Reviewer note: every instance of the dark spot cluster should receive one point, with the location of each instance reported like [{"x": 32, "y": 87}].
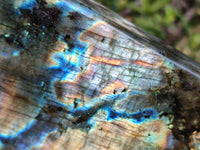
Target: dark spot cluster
[
  {"x": 39, "y": 22},
  {"x": 188, "y": 87},
  {"x": 180, "y": 103},
  {"x": 83, "y": 117},
  {"x": 13, "y": 39},
  {"x": 45, "y": 16},
  {"x": 42, "y": 15}
]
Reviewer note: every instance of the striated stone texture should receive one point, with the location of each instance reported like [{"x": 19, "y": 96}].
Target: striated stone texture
[{"x": 74, "y": 75}]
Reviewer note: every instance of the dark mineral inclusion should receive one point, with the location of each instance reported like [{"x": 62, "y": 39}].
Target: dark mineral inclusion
[{"x": 74, "y": 75}]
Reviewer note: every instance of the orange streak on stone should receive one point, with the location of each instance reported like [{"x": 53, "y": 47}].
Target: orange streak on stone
[
  {"x": 112, "y": 86},
  {"x": 142, "y": 63},
  {"x": 114, "y": 62}
]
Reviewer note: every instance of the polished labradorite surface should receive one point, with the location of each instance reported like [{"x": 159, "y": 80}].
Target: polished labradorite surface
[{"x": 74, "y": 75}]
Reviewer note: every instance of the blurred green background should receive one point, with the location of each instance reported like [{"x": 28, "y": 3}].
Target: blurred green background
[{"x": 177, "y": 22}]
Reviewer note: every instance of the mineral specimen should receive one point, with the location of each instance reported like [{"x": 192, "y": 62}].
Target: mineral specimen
[{"x": 74, "y": 75}]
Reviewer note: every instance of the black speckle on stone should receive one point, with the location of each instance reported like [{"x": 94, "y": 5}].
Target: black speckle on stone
[
  {"x": 114, "y": 92},
  {"x": 39, "y": 116},
  {"x": 124, "y": 90},
  {"x": 19, "y": 42},
  {"x": 147, "y": 117},
  {"x": 162, "y": 53},
  {"x": 60, "y": 108},
  {"x": 74, "y": 16},
  {"x": 70, "y": 41},
  {"x": 10, "y": 39},
  {"x": 163, "y": 114},
  {"x": 75, "y": 103},
  {"x": 67, "y": 37},
  {"x": 103, "y": 39}
]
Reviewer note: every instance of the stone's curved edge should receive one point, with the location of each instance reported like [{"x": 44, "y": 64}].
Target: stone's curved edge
[{"x": 135, "y": 33}]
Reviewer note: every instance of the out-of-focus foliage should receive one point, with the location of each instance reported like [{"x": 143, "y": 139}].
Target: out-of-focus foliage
[{"x": 175, "y": 21}]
